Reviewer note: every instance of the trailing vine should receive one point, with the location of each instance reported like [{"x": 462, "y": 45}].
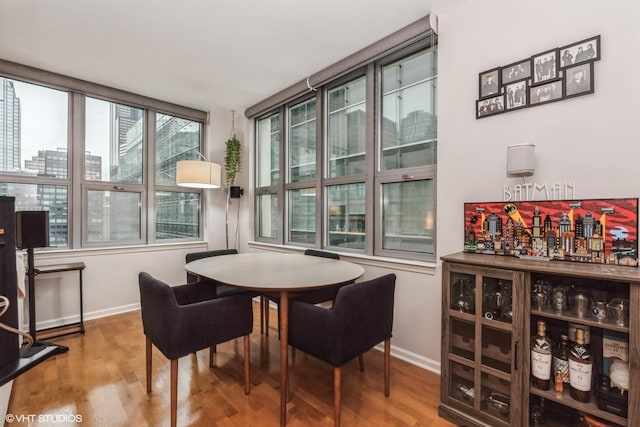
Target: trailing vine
[{"x": 232, "y": 160}]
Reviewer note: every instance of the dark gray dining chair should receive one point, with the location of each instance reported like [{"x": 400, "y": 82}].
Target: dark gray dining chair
[
  {"x": 179, "y": 320},
  {"x": 221, "y": 288},
  {"x": 313, "y": 297},
  {"x": 361, "y": 318}
]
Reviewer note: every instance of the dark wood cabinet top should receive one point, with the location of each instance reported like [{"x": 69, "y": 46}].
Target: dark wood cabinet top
[{"x": 594, "y": 271}]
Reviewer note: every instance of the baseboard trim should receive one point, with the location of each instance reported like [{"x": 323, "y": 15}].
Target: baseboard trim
[
  {"x": 413, "y": 358},
  {"x": 61, "y": 321}
]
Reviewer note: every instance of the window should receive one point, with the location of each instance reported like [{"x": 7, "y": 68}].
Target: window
[
  {"x": 86, "y": 158},
  {"x": 361, "y": 160},
  {"x": 346, "y": 134},
  {"x": 268, "y": 224},
  {"x": 113, "y": 133},
  {"x": 408, "y": 128},
  {"x": 302, "y": 141},
  {"x": 114, "y": 216},
  {"x": 346, "y": 210},
  {"x": 407, "y": 156},
  {"x": 34, "y": 152},
  {"x": 177, "y": 212}
]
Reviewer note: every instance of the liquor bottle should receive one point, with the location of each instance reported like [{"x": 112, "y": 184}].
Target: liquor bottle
[
  {"x": 561, "y": 363},
  {"x": 580, "y": 369},
  {"x": 541, "y": 347}
]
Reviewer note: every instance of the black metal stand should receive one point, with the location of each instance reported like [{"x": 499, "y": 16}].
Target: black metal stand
[{"x": 37, "y": 346}]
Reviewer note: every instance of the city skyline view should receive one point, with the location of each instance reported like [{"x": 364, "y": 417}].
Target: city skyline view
[{"x": 34, "y": 151}]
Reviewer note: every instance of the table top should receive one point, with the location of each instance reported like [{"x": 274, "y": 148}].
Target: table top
[
  {"x": 57, "y": 268},
  {"x": 275, "y": 271}
]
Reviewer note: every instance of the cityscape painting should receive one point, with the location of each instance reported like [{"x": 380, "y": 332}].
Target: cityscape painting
[{"x": 601, "y": 231}]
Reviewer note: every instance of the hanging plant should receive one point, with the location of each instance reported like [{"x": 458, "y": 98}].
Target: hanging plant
[{"x": 232, "y": 160}]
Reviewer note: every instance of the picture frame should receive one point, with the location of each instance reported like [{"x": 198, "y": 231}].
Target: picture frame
[
  {"x": 486, "y": 226},
  {"x": 517, "y": 71},
  {"x": 587, "y": 50},
  {"x": 546, "y": 93},
  {"x": 578, "y": 80},
  {"x": 516, "y": 95},
  {"x": 552, "y": 75},
  {"x": 490, "y": 106},
  {"x": 489, "y": 83},
  {"x": 545, "y": 67}
]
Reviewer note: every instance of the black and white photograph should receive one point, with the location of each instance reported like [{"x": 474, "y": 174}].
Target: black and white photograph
[
  {"x": 516, "y": 95},
  {"x": 545, "y": 66},
  {"x": 489, "y": 83},
  {"x": 489, "y": 106},
  {"x": 517, "y": 71},
  {"x": 548, "y": 92},
  {"x": 553, "y": 75},
  {"x": 579, "y": 80},
  {"x": 583, "y": 51}
]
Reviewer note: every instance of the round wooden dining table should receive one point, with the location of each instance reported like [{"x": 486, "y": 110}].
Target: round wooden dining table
[{"x": 275, "y": 272}]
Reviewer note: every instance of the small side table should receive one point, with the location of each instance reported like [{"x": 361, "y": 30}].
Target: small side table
[{"x": 60, "y": 268}]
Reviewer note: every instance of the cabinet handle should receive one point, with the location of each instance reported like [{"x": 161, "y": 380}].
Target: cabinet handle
[{"x": 515, "y": 357}]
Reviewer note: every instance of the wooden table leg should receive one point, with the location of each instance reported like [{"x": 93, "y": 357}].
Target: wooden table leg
[{"x": 284, "y": 355}]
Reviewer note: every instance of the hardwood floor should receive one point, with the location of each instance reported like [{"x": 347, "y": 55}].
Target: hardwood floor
[{"x": 102, "y": 380}]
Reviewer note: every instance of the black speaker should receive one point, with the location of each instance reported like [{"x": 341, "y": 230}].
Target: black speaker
[{"x": 32, "y": 229}]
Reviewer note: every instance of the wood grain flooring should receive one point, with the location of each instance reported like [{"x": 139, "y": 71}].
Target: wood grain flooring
[{"x": 102, "y": 381}]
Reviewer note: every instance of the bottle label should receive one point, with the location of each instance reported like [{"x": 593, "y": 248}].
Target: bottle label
[
  {"x": 561, "y": 366},
  {"x": 580, "y": 375},
  {"x": 541, "y": 365}
]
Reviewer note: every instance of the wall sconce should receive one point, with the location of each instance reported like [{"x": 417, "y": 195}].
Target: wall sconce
[
  {"x": 521, "y": 160},
  {"x": 198, "y": 174}
]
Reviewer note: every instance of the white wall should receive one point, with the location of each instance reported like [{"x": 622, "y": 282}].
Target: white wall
[{"x": 591, "y": 139}]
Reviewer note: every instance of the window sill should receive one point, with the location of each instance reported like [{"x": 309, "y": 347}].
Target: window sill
[
  {"x": 66, "y": 253},
  {"x": 365, "y": 260}
]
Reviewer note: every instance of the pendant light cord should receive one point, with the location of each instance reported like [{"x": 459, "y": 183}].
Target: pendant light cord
[{"x": 233, "y": 124}]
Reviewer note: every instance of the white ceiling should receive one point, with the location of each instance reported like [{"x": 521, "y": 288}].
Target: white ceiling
[{"x": 205, "y": 54}]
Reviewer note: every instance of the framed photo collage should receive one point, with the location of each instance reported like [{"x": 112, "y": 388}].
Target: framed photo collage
[{"x": 549, "y": 76}]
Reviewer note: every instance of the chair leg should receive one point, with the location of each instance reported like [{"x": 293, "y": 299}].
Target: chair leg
[
  {"x": 247, "y": 372},
  {"x": 387, "y": 366},
  {"x": 266, "y": 316},
  {"x": 337, "y": 377},
  {"x": 361, "y": 362},
  {"x": 212, "y": 351},
  {"x": 261, "y": 314},
  {"x": 174, "y": 392},
  {"x": 148, "y": 352}
]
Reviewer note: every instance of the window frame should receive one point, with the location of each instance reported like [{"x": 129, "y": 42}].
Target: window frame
[
  {"x": 77, "y": 186},
  {"x": 319, "y": 169},
  {"x": 375, "y": 178},
  {"x": 400, "y": 175},
  {"x": 273, "y": 189},
  {"x": 368, "y": 73}
]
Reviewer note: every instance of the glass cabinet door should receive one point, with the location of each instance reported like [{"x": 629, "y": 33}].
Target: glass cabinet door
[{"x": 481, "y": 342}]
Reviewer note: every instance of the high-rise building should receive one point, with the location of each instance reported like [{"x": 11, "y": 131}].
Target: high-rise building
[
  {"x": 54, "y": 163},
  {"x": 9, "y": 127},
  {"x": 123, "y": 118}
]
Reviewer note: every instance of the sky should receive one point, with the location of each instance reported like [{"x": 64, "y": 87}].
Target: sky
[{"x": 44, "y": 125}]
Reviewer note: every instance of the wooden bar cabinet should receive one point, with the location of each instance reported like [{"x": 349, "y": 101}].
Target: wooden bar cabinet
[{"x": 489, "y": 315}]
